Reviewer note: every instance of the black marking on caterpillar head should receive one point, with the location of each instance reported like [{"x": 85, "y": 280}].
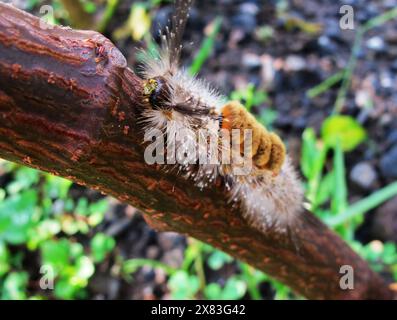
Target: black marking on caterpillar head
[
  {"x": 220, "y": 120},
  {"x": 161, "y": 94},
  {"x": 158, "y": 92}
]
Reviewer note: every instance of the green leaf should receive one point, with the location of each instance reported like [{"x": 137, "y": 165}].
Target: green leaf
[
  {"x": 389, "y": 253},
  {"x": 4, "y": 259},
  {"x": 101, "y": 245},
  {"x": 56, "y": 254},
  {"x": 16, "y": 216},
  {"x": 45, "y": 230},
  {"x": 234, "y": 289},
  {"x": 97, "y": 212},
  {"x": 84, "y": 270},
  {"x": 345, "y": 129},
  {"x": 82, "y": 207},
  {"x": 213, "y": 291},
  {"x": 70, "y": 225},
  {"x": 183, "y": 285},
  {"x": 69, "y": 205},
  {"x": 14, "y": 287},
  {"x": 24, "y": 178},
  {"x": 65, "y": 290},
  {"x": 48, "y": 228},
  {"x": 56, "y": 187},
  {"x": 217, "y": 260},
  {"x": 76, "y": 250},
  {"x": 250, "y": 96},
  {"x": 99, "y": 206},
  {"x": 89, "y": 7}
]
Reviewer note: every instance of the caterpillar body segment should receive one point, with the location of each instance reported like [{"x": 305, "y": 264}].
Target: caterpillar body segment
[{"x": 268, "y": 151}]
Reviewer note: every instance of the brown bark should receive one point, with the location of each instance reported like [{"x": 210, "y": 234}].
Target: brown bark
[{"x": 69, "y": 105}]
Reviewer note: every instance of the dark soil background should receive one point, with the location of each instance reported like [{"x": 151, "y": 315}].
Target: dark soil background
[{"x": 286, "y": 65}]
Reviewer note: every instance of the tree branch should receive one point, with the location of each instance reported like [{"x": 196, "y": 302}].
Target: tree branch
[{"x": 70, "y": 106}]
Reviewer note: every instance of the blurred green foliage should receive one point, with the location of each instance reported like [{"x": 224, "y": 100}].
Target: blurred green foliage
[
  {"x": 327, "y": 192},
  {"x": 250, "y": 96},
  {"x": 137, "y": 25},
  {"x": 37, "y": 214}
]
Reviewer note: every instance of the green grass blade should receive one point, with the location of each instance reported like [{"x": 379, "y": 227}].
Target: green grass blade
[
  {"x": 132, "y": 265},
  {"x": 372, "y": 23},
  {"x": 364, "y": 205},
  {"x": 206, "y": 48},
  {"x": 348, "y": 72},
  {"x": 252, "y": 284},
  {"x": 325, "y": 85},
  {"x": 110, "y": 9},
  {"x": 339, "y": 198},
  {"x": 380, "y": 20}
]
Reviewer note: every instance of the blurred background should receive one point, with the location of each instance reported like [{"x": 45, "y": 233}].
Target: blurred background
[{"x": 322, "y": 75}]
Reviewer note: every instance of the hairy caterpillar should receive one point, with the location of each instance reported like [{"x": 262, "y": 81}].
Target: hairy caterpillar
[{"x": 269, "y": 192}]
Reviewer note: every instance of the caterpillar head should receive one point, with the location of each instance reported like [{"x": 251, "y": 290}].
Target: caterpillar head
[{"x": 156, "y": 92}]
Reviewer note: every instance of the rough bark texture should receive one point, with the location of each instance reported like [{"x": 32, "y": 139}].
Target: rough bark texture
[{"x": 69, "y": 105}]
